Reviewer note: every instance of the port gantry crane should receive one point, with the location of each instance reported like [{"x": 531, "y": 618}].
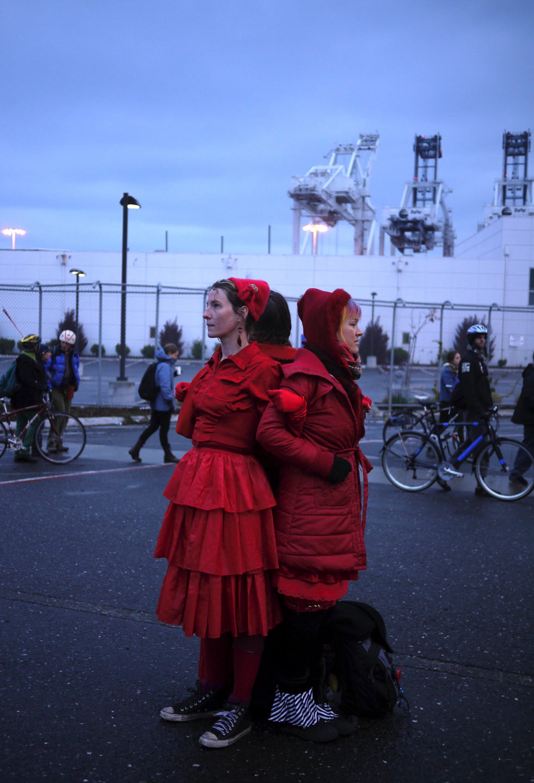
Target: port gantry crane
[
  {"x": 423, "y": 220},
  {"x": 338, "y": 191},
  {"x": 512, "y": 194}
]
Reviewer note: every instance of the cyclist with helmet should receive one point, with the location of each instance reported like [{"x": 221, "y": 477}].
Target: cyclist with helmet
[
  {"x": 64, "y": 372},
  {"x": 472, "y": 394},
  {"x": 32, "y": 379}
]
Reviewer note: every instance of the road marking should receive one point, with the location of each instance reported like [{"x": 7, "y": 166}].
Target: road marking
[{"x": 30, "y": 479}]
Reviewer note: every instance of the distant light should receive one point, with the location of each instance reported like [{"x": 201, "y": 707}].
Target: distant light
[
  {"x": 77, "y": 272},
  {"x": 14, "y": 233},
  {"x": 316, "y": 228}
]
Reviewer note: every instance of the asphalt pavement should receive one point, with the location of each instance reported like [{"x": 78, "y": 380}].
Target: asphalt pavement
[{"x": 87, "y": 666}]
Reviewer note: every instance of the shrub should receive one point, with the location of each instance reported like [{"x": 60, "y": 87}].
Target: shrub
[
  {"x": 6, "y": 345},
  {"x": 400, "y": 356},
  {"x": 399, "y": 399},
  {"x": 69, "y": 322},
  {"x": 374, "y": 342},
  {"x": 118, "y": 350},
  {"x": 196, "y": 349},
  {"x": 148, "y": 351},
  {"x": 172, "y": 333},
  {"x": 501, "y": 363},
  {"x": 94, "y": 350}
]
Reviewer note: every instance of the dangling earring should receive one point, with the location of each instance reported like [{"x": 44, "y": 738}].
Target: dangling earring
[{"x": 239, "y": 333}]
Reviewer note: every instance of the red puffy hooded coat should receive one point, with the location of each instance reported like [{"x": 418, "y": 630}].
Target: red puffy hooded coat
[{"x": 319, "y": 525}]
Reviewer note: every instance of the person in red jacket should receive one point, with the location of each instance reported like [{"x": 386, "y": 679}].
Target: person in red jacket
[
  {"x": 313, "y": 426},
  {"x": 218, "y": 532}
]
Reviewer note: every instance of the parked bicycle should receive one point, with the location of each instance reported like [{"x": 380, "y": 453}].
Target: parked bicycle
[
  {"x": 414, "y": 460},
  {"x": 52, "y": 428},
  {"x": 425, "y": 419}
]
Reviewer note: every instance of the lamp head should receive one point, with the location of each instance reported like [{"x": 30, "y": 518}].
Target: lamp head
[{"x": 130, "y": 202}]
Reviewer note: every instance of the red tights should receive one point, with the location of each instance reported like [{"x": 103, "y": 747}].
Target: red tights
[{"x": 231, "y": 662}]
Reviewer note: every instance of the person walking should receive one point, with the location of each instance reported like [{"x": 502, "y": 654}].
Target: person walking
[
  {"x": 524, "y": 414},
  {"x": 162, "y": 407},
  {"x": 218, "y": 532},
  {"x": 30, "y": 374},
  {"x": 313, "y": 427},
  {"x": 63, "y": 369}
]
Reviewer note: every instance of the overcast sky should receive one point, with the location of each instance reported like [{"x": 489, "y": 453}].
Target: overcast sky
[{"x": 205, "y": 110}]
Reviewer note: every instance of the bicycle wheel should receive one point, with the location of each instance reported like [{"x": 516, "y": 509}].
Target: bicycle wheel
[
  {"x": 400, "y": 422},
  {"x": 410, "y": 461},
  {"x": 505, "y": 469},
  {"x": 3, "y": 438},
  {"x": 60, "y": 438}
]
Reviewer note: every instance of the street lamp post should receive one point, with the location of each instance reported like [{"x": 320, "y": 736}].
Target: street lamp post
[
  {"x": 79, "y": 273},
  {"x": 398, "y": 302},
  {"x": 127, "y": 202}
]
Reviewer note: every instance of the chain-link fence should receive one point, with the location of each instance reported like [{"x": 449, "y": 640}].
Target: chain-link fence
[{"x": 423, "y": 330}]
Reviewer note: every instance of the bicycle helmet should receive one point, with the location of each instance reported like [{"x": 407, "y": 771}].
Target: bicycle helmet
[
  {"x": 30, "y": 339},
  {"x": 477, "y": 330},
  {"x": 67, "y": 336}
]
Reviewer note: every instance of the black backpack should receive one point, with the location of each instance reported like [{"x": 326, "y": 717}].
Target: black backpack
[
  {"x": 148, "y": 389},
  {"x": 9, "y": 384},
  {"x": 359, "y": 669}
]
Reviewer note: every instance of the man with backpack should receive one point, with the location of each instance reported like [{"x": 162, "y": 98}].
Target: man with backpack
[
  {"x": 158, "y": 388},
  {"x": 30, "y": 388}
]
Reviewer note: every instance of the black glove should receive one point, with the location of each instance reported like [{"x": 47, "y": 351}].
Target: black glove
[{"x": 340, "y": 470}]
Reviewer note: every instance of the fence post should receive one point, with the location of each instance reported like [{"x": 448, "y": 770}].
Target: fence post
[
  {"x": 443, "y": 305},
  {"x": 156, "y": 328},
  {"x": 40, "y": 311},
  {"x": 392, "y": 352},
  {"x": 493, "y": 306},
  {"x": 100, "y": 314},
  {"x": 204, "y": 300}
]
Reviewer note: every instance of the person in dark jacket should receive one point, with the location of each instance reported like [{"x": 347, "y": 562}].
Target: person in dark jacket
[
  {"x": 472, "y": 395},
  {"x": 313, "y": 426},
  {"x": 162, "y": 407},
  {"x": 447, "y": 381},
  {"x": 524, "y": 414},
  {"x": 33, "y": 385},
  {"x": 63, "y": 369}
]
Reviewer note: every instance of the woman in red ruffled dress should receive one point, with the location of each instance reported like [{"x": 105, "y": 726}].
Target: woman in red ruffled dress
[
  {"x": 313, "y": 427},
  {"x": 218, "y": 531}
]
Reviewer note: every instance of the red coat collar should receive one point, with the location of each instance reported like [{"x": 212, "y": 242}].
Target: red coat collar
[
  {"x": 307, "y": 363},
  {"x": 241, "y": 359}
]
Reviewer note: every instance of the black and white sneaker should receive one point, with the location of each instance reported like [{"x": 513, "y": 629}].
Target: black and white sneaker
[
  {"x": 233, "y": 723},
  {"x": 201, "y": 704}
]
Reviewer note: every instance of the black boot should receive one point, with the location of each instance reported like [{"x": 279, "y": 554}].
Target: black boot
[
  {"x": 134, "y": 452},
  {"x": 169, "y": 457}
]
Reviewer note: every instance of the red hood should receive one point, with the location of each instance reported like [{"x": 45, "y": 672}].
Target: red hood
[{"x": 320, "y": 313}]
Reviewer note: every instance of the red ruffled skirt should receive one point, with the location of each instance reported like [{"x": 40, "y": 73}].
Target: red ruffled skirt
[{"x": 218, "y": 538}]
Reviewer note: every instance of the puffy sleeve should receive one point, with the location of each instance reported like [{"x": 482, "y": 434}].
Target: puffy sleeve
[
  {"x": 186, "y": 418},
  {"x": 276, "y": 438},
  {"x": 258, "y": 385}
]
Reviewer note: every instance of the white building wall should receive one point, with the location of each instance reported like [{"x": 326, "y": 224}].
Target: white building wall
[{"x": 491, "y": 268}]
